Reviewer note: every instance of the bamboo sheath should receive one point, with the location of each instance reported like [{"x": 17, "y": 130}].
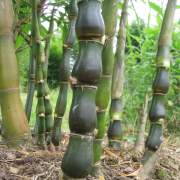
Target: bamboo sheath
[{"x": 15, "y": 127}]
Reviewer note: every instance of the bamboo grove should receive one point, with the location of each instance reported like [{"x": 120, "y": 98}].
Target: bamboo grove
[{"x": 96, "y": 80}]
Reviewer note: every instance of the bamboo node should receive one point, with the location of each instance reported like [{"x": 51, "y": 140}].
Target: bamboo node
[
  {"x": 9, "y": 90},
  {"x": 159, "y": 93},
  {"x": 82, "y": 86},
  {"x": 73, "y": 80},
  {"x": 41, "y": 114},
  {"x": 41, "y": 81},
  {"x": 82, "y": 136},
  {"x": 99, "y": 110},
  {"x": 47, "y": 97}
]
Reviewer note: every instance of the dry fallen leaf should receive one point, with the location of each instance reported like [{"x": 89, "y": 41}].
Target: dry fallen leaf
[{"x": 13, "y": 170}]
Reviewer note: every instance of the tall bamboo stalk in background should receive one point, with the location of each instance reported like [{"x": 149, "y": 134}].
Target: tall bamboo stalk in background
[
  {"x": 64, "y": 71},
  {"x": 31, "y": 82},
  {"x": 109, "y": 11},
  {"x": 78, "y": 159},
  {"x": 15, "y": 126},
  {"x": 115, "y": 127},
  {"x": 47, "y": 103},
  {"x": 38, "y": 55},
  {"x": 160, "y": 89},
  {"x": 140, "y": 139}
]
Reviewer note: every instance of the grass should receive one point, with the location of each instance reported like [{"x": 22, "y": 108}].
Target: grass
[{"x": 53, "y": 96}]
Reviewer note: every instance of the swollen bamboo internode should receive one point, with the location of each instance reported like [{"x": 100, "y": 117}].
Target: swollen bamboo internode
[{"x": 15, "y": 126}]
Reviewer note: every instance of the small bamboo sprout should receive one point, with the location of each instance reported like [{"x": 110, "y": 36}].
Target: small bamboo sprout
[
  {"x": 160, "y": 86},
  {"x": 15, "y": 126},
  {"x": 78, "y": 159},
  {"x": 109, "y": 11},
  {"x": 115, "y": 127},
  {"x": 65, "y": 73}
]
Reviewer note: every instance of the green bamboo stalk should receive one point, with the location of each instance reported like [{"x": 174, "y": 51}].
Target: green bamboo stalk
[
  {"x": 65, "y": 73},
  {"x": 78, "y": 159},
  {"x": 109, "y": 11},
  {"x": 47, "y": 103},
  {"x": 161, "y": 83},
  {"x": 116, "y": 108},
  {"x": 15, "y": 127},
  {"x": 39, "y": 57},
  {"x": 31, "y": 85}
]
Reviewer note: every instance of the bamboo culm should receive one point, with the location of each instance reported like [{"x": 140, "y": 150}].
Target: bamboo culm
[
  {"x": 116, "y": 107},
  {"x": 161, "y": 83},
  {"x": 15, "y": 126},
  {"x": 78, "y": 159},
  {"x": 64, "y": 71},
  {"x": 109, "y": 12}
]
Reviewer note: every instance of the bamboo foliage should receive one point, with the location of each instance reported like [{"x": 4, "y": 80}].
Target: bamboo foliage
[
  {"x": 65, "y": 73},
  {"x": 15, "y": 127},
  {"x": 115, "y": 127},
  {"x": 161, "y": 82}
]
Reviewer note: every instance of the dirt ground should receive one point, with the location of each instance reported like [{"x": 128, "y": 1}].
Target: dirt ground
[{"x": 35, "y": 164}]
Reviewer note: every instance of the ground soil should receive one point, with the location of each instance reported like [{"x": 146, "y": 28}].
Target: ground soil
[{"x": 35, "y": 164}]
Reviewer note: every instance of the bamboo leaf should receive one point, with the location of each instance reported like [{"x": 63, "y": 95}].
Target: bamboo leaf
[{"x": 156, "y": 7}]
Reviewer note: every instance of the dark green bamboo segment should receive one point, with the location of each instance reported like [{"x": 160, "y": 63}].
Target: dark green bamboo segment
[
  {"x": 82, "y": 117},
  {"x": 59, "y": 113},
  {"x": 15, "y": 127},
  {"x": 155, "y": 137},
  {"x": 89, "y": 23},
  {"x": 161, "y": 82},
  {"x": 40, "y": 120},
  {"x": 78, "y": 159},
  {"x": 115, "y": 128},
  {"x": 31, "y": 85},
  {"x": 64, "y": 70},
  {"x": 157, "y": 110},
  {"x": 48, "y": 119},
  {"x": 88, "y": 67}
]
